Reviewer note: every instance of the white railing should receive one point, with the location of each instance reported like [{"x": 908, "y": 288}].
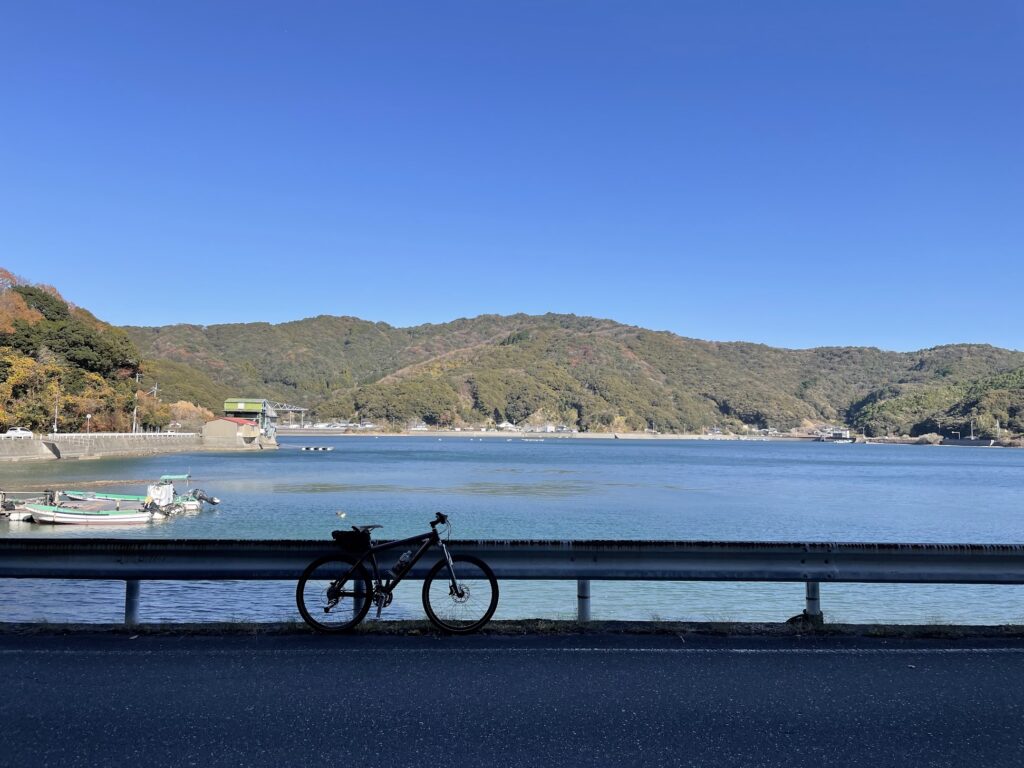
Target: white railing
[{"x": 94, "y": 435}]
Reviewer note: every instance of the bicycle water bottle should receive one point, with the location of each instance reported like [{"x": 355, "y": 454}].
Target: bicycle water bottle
[{"x": 403, "y": 562}]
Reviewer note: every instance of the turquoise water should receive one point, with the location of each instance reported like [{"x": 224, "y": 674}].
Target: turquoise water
[{"x": 567, "y": 489}]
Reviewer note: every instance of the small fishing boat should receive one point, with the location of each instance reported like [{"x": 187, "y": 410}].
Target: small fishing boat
[
  {"x": 12, "y": 504},
  {"x": 78, "y": 515},
  {"x": 17, "y": 515},
  {"x": 161, "y": 494}
]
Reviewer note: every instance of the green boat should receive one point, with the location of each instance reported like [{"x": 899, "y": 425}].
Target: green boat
[{"x": 161, "y": 494}]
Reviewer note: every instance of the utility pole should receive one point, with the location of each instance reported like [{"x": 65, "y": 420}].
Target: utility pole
[
  {"x": 135, "y": 411},
  {"x": 56, "y": 400}
]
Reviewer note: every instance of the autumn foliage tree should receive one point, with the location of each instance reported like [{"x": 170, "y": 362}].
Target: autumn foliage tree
[{"x": 59, "y": 363}]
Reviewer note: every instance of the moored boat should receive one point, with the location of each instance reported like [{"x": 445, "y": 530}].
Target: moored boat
[
  {"x": 66, "y": 515},
  {"x": 161, "y": 494}
]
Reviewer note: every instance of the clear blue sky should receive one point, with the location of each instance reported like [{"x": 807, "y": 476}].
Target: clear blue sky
[{"x": 794, "y": 173}]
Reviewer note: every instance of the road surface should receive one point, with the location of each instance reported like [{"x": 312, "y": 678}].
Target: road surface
[{"x": 599, "y": 700}]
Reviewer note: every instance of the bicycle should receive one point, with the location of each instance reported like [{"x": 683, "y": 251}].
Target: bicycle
[{"x": 335, "y": 592}]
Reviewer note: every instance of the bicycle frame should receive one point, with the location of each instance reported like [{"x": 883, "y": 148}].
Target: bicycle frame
[{"x": 426, "y": 541}]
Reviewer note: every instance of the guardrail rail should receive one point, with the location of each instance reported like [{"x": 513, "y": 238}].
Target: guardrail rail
[{"x": 135, "y": 560}]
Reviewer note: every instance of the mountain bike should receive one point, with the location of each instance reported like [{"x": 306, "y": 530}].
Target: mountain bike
[{"x": 336, "y": 592}]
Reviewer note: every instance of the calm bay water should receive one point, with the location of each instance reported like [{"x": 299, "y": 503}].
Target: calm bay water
[{"x": 564, "y": 489}]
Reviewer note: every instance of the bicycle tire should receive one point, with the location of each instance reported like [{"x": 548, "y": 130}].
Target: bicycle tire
[
  {"x": 329, "y": 569},
  {"x": 483, "y": 575}
]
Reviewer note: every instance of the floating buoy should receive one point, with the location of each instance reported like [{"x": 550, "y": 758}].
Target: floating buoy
[{"x": 317, "y": 448}]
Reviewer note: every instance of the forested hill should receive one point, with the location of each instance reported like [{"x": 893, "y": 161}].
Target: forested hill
[
  {"x": 589, "y": 373},
  {"x": 58, "y": 362}
]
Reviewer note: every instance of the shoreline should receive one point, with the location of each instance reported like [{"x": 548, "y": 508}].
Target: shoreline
[
  {"x": 533, "y": 436},
  {"x": 439, "y": 434}
]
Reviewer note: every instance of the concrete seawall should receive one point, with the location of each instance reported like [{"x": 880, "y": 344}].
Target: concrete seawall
[
  {"x": 94, "y": 446},
  {"x": 25, "y": 450}
]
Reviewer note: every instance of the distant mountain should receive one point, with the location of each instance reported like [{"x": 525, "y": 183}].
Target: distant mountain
[{"x": 589, "y": 373}]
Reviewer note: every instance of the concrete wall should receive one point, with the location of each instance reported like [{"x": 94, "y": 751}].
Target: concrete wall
[
  {"x": 224, "y": 435},
  {"x": 25, "y": 450},
  {"x": 237, "y": 443},
  {"x": 97, "y": 445}
]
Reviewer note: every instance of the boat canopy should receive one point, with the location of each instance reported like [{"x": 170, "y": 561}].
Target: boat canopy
[{"x": 164, "y": 478}]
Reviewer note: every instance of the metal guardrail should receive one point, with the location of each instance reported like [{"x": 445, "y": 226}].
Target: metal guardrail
[{"x": 134, "y": 560}]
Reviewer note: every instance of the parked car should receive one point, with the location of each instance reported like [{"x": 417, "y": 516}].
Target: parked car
[{"x": 18, "y": 432}]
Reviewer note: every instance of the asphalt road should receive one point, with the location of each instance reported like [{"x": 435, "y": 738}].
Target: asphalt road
[{"x": 500, "y": 701}]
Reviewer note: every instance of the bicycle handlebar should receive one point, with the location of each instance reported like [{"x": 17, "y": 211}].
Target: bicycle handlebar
[{"x": 440, "y": 519}]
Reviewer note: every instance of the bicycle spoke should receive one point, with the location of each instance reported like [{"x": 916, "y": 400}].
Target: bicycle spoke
[
  {"x": 468, "y": 603},
  {"x": 333, "y": 594}
]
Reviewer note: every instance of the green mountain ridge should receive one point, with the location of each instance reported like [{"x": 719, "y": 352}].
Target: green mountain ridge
[
  {"x": 591, "y": 373},
  {"x": 62, "y": 368}
]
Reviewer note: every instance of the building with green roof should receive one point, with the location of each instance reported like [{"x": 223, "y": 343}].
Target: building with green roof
[{"x": 257, "y": 409}]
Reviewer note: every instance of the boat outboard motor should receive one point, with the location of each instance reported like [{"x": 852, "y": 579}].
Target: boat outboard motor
[{"x": 200, "y": 495}]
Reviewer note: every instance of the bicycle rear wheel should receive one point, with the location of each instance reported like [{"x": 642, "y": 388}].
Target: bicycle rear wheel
[
  {"x": 333, "y": 593},
  {"x": 468, "y": 605}
]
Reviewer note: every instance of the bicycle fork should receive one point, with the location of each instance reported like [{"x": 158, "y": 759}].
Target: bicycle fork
[{"x": 454, "y": 589}]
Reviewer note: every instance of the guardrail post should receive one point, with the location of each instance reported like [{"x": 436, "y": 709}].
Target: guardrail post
[
  {"x": 131, "y": 602},
  {"x": 359, "y": 596},
  {"x": 813, "y": 603},
  {"x": 583, "y": 600}
]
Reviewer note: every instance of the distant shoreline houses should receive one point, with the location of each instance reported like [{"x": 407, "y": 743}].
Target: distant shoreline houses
[{"x": 505, "y": 426}]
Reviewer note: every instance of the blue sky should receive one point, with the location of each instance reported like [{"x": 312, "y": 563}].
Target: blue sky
[{"x": 793, "y": 173}]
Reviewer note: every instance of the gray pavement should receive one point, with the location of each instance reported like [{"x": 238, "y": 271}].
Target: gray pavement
[{"x": 615, "y": 700}]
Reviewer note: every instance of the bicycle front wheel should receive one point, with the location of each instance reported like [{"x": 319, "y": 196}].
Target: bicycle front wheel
[
  {"x": 333, "y": 593},
  {"x": 462, "y": 603}
]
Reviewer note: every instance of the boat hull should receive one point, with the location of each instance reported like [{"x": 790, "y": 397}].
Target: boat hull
[{"x": 43, "y": 514}]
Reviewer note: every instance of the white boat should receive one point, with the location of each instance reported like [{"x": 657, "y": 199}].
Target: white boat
[
  {"x": 76, "y": 515},
  {"x": 161, "y": 495},
  {"x": 12, "y": 504}
]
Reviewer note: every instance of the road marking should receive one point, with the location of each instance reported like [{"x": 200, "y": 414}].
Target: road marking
[{"x": 246, "y": 650}]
